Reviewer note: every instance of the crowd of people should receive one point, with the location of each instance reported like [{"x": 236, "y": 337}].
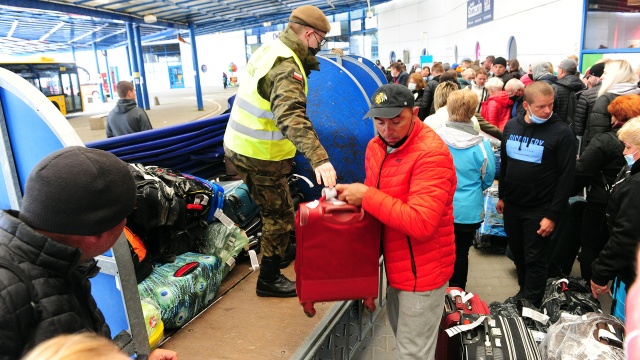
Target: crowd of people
[{"x": 559, "y": 134}]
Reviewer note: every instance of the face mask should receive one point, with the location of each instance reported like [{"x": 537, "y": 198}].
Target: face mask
[
  {"x": 630, "y": 160},
  {"x": 426, "y": 78},
  {"x": 411, "y": 86},
  {"x": 313, "y": 51},
  {"x": 513, "y": 98},
  {"x": 537, "y": 120},
  {"x": 400, "y": 142}
]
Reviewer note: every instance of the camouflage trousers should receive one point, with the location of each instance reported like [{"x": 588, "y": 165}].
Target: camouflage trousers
[{"x": 268, "y": 187}]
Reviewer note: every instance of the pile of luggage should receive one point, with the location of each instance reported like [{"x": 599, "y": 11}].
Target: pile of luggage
[{"x": 568, "y": 325}]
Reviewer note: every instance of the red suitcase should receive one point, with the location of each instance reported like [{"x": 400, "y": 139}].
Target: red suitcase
[
  {"x": 457, "y": 302},
  {"x": 337, "y": 254}
]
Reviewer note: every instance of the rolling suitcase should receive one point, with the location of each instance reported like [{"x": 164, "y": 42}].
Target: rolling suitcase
[
  {"x": 337, "y": 254},
  {"x": 238, "y": 204},
  {"x": 457, "y": 302},
  {"x": 490, "y": 337},
  {"x": 183, "y": 288}
]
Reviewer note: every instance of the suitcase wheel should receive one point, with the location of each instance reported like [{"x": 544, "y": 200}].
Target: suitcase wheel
[
  {"x": 370, "y": 304},
  {"x": 308, "y": 308}
]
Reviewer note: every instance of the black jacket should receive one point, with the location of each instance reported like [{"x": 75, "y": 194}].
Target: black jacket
[
  {"x": 430, "y": 91},
  {"x": 421, "y": 100},
  {"x": 563, "y": 88},
  {"x": 504, "y": 77},
  {"x": 619, "y": 254},
  {"x": 402, "y": 78},
  {"x": 62, "y": 286},
  {"x": 548, "y": 78},
  {"x": 599, "y": 120},
  {"x": 603, "y": 157},
  {"x": 126, "y": 118},
  {"x": 537, "y": 165},
  {"x": 583, "y": 109}
]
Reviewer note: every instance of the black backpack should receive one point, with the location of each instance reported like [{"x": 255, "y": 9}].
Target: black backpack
[{"x": 570, "y": 110}]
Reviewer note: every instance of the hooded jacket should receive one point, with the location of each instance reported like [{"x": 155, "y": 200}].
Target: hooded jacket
[
  {"x": 602, "y": 158},
  {"x": 563, "y": 88},
  {"x": 481, "y": 92},
  {"x": 497, "y": 109},
  {"x": 475, "y": 169},
  {"x": 540, "y": 72},
  {"x": 600, "y": 119},
  {"x": 127, "y": 118},
  {"x": 411, "y": 192},
  {"x": 62, "y": 289},
  {"x": 619, "y": 254},
  {"x": 583, "y": 109},
  {"x": 537, "y": 165}
]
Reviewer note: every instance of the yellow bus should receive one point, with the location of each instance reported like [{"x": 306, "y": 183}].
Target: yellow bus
[{"x": 58, "y": 82}]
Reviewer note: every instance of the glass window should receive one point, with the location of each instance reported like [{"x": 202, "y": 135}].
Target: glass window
[
  {"x": 612, "y": 30},
  {"x": 49, "y": 83}
]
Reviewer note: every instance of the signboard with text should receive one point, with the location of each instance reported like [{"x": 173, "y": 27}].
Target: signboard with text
[{"x": 479, "y": 12}]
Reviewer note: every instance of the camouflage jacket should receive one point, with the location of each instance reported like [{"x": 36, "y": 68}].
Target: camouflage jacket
[{"x": 288, "y": 101}]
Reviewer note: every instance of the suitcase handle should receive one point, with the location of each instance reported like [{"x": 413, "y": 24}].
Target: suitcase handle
[
  {"x": 340, "y": 213},
  {"x": 186, "y": 269}
]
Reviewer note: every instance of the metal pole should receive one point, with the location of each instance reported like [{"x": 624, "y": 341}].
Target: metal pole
[
  {"x": 140, "y": 57},
  {"x": 129, "y": 60},
  {"x": 194, "y": 57},
  {"x": 134, "y": 64},
  {"x": 95, "y": 54},
  {"x": 73, "y": 53},
  {"x": 109, "y": 81}
]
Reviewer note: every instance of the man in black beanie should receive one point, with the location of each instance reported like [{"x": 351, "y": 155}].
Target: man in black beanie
[
  {"x": 499, "y": 70},
  {"x": 74, "y": 208}
]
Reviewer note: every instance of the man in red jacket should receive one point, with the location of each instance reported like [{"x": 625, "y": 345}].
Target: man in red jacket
[{"x": 409, "y": 187}]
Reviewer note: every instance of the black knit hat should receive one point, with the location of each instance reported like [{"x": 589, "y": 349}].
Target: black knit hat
[
  {"x": 78, "y": 191},
  {"x": 389, "y": 101},
  {"x": 500, "y": 61}
]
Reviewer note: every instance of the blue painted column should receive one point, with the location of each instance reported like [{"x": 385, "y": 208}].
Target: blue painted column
[
  {"x": 140, "y": 57},
  {"x": 109, "y": 81},
  {"x": 194, "y": 57},
  {"x": 129, "y": 60},
  {"x": 583, "y": 33},
  {"x": 95, "y": 54},
  {"x": 73, "y": 53},
  {"x": 134, "y": 64}
]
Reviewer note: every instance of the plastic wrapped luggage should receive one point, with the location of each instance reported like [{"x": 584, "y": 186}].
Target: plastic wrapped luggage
[
  {"x": 491, "y": 235},
  {"x": 183, "y": 288},
  {"x": 581, "y": 337},
  {"x": 568, "y": 295},
  {"x": 152, "y": 322},
  {"x": 536, "y": 321},
  {"x": 457, "y": 302},
  {"x": 619, "y": 299},
  {"x": 337, "y": 254},
  {"x": 238, "y": 204},
  {"x": 491, "y": 337},
  {"x": 224, "y": 243}
]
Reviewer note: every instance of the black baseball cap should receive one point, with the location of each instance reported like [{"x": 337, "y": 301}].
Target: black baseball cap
[{"x": 389, "y": 100}]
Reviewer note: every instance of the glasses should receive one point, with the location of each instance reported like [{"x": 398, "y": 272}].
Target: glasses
[{"x": 321, "y": 42}]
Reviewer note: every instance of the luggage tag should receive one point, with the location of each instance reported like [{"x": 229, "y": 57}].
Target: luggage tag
[
  {"x": 254, "y": 260},
  {"x": 535, "y": 315},
  {"x": 466, "y": 327}
]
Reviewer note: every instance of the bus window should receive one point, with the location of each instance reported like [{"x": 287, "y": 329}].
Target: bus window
[
  {"x": 66, "y": 86},
  {"x": 75, "y": 92},
  {"x": 49, "y": 83}
]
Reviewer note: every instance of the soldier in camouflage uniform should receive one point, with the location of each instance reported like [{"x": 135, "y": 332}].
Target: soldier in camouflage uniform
[{"x": 268, "y": 123}]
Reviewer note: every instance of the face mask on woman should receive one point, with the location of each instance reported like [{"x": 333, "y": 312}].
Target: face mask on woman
[
  {"x": 411, "y": 86},
  {"x": 629, "y": 158}
]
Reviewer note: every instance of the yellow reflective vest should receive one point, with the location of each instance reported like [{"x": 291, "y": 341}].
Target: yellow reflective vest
[{"x": 252, "y": 129}]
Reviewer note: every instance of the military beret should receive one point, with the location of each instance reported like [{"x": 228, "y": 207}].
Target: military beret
[{"x": 311, "y": 16}]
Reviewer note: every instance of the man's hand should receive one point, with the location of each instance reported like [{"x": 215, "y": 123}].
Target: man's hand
[
  {"x": 500, "y": 206},
  {"x": 596, "y": 289},
  {"x": 326, "y": 174},
  {"x": 163, "y": 354},
  {"x": 546, "y": 227},
  {"x": 351, "y": 193}
]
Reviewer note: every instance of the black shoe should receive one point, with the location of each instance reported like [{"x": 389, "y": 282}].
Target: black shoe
[
  {"x": 279, "y": 287},
  {"x": 513, "y": 299}
]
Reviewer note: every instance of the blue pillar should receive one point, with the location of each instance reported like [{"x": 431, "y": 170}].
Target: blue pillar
[
  {"x": 129, "y": 60},
  {"x": 109, "y": 81},
  {"x": 134, "y": 64},
  {"x": 140, "y": 57},
  {"x": 73, "y": 53},
  {"x": 194, "y": 56},
  {"x": 95, "y": 54}
]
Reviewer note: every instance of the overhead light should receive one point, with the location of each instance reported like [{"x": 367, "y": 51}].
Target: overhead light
[
  {"x": 150, "y": 18},
  {"x": 266, "y": 23},
  {"x": 369, "y": 14}
]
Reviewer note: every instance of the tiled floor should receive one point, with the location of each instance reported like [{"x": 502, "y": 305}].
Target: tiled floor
[{"x": 491, "y": 276}]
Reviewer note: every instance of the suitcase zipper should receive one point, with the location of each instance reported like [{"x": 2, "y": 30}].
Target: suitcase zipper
[{"x": 413, "y": 265}]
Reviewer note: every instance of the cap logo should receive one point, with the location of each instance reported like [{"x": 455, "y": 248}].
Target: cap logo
[{"x": 380, "y": 98}]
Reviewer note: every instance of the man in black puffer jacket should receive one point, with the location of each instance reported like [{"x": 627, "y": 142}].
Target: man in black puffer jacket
[
  {"x": 567, "y": 83},
  {"x": 586, "y": 101},
  {"x": 74, "y": 208}
]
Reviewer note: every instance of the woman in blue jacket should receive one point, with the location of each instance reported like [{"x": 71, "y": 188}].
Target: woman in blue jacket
[{"x": 475, "y": 170}]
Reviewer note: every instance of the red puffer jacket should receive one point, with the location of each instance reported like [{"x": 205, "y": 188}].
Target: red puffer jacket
[
  {"x": 497, "y": 109},
  {"x": 411, "y": 193}
]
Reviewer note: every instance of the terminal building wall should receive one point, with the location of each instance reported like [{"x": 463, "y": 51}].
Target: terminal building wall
[{"x": 543, "y": 30}]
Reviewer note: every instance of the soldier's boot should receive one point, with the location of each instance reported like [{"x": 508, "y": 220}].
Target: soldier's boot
[{"x": 271, "y": 282}]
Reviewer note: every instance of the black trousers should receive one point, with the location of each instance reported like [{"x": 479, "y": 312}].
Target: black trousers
[
  {"x": 594, "y": 235},
  {"x": 529, "y": 249},
  {"x": 464, "y": 239}
]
